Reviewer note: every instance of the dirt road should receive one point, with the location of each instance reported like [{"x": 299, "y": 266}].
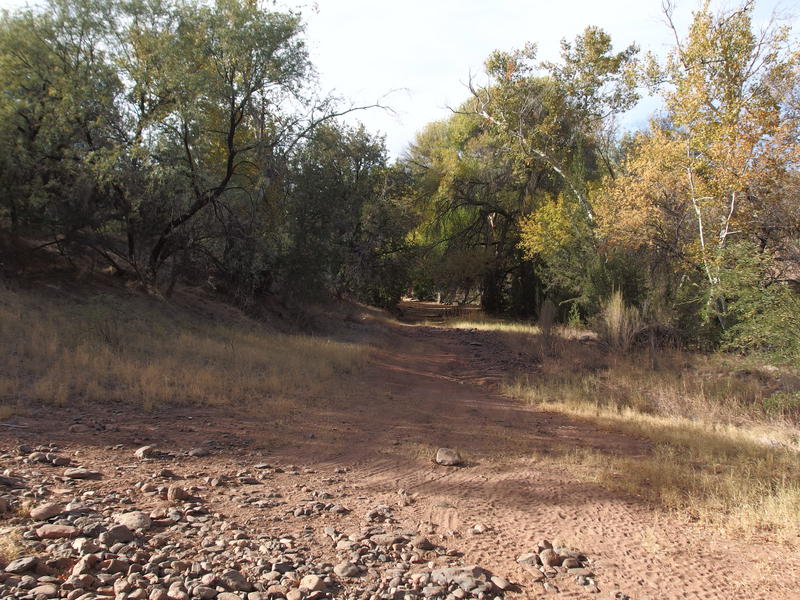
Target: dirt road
[{"x": 429, "y": 387}]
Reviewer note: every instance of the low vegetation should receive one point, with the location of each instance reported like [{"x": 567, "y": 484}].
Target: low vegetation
[
  {"x": 151, "y": 353},
  {"x": 723, "y": 434},
  {"x": 11, "y": 546},
  {"x": 721, "y": 431}
]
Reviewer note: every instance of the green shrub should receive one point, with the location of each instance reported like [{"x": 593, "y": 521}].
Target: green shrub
[{"x": 761, "y": 312}]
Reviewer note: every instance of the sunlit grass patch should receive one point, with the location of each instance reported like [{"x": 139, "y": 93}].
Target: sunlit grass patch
[
  {"x": 487, "y": 324},
  {"x": 753, "y": 490},
  {"x": 145, "y": 352},
  {"x": 720, "y": 452},
  {"x": 742, "y": 475}
]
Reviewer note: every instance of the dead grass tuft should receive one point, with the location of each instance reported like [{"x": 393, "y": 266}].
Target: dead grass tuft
[
  {"x": 619, "y": 324},
  {"x": 11, "y": 546}
]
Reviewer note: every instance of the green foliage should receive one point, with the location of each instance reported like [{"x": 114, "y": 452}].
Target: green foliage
[
  {"x": 503, "y": 185},
  {"x": 574, "y": 316},
  {"x": 187, "y": 140},
  {"x": 761, "y": 310},
  {"x": 346, "y": 227},
  {"x": 782, "y": 405}
]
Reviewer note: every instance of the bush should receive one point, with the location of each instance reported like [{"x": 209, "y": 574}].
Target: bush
[{"x": 761, "y": 311}]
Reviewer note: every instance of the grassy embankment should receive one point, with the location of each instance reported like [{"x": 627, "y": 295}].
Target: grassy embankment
[
  {"x": 151, "y": 353},
  {"x": 723, "y": 430}
]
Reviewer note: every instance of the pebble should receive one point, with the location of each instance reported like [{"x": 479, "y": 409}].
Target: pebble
[{"x": 105, "y": 544}]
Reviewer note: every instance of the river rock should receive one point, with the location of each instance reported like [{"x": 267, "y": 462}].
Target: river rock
[
  {"x": 46, "y": 511},
  {"x": 146, "y": 452},
  {"x": 235, "y": 581},
  {"x": 313, "y": 583},
  {"x": 422, "y": 543},
  {"x": 48, "y": 590},
  {"x": 346, "y": 569},
  {"x": 81, "y": 473},
  {"x": 549, "y": 557},
  {"x": 134, "y": 520},
  {"x": 54, "y": 532},
  {"x": 22, "y": 565},
  {"x": 448, "y": 457}
]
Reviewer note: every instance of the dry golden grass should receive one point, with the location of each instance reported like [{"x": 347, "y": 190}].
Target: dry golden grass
[
  {"x": 11, "y": 546},
  {"x": 721, "y": 452},
  {"x": 751, "y": 490},
  {"x": 146, "y": 352},
  {"x": 484, "y": 323}
]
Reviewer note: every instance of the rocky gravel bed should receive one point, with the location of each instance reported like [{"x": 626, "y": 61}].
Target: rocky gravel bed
[{"x": 157, "y": 529}]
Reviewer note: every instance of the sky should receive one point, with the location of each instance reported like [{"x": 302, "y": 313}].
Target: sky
[{"x": 416, "y": 56}]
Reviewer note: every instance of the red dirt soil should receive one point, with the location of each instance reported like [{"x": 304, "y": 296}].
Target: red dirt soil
[{"x": 428, "y": 387}]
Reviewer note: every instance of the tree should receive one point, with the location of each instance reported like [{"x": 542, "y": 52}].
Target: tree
[
  {"x": 59, "y": 95},
  {"x": 557, "y": 121},
  {"x": 160, "y": 134},
  {"x": 470, "y": 196},
  {"x": 716, "y": 166},
  {"x": 337, "y": 174},
  {"x": 532, "y": 136}
]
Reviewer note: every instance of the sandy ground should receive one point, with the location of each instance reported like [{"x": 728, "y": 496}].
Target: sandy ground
[{"x": 428, "y": 387}]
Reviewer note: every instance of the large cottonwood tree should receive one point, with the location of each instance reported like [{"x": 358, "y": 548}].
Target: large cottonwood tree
[{"x": 715, "y": 169}]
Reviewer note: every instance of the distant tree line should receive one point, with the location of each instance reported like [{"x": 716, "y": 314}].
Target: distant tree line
[{"x": 184, "y": 141}]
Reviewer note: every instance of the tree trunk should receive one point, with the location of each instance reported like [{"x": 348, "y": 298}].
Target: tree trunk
[{"x": 491, "y": 292}]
